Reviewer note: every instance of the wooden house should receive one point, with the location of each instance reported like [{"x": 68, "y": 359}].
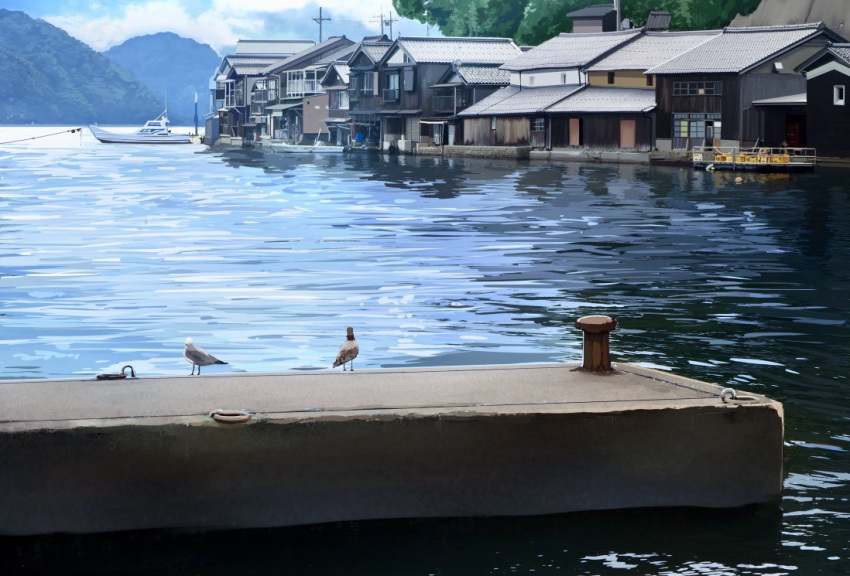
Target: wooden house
[
  {"x": 364, "y": 96},
  {"x": 335, "y": 83},
  {"x": 540, "y": 78},
  {"x": 826, "y": 100},
  {"x": 616, "y": 110},
  {"x": 299, "y": 108},
  {"x": 708, "y": 95},
  {"x": 236, "y": 80},
  {"x": 412, "y": 67}
]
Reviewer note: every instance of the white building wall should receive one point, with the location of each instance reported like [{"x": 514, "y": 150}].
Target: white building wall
[{"x": 538, "y": 78}]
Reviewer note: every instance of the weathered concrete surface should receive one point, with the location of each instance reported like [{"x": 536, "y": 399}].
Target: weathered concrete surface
[{"x": 90, "y": 456}]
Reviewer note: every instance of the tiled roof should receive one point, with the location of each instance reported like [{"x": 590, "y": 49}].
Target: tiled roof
[
  {"x": 280, "y": 48},
  {"x": 570, "y": 50},
  {"x": 599, "y": 99},
  {"x": 595, "y": 11},
  {"x": 737, "y": 49},
  {"x": 513, "y": 100},
  {"x": 342, "y": 72},
  {"x": 375, "y": 51},
  {"x": 251, "y": 65},
  {"x": 842, "y": 51},
  {"x": 466, "y": 50},
  {"x": 488, "y": 75},
  {"x": 652, "y": 49}
]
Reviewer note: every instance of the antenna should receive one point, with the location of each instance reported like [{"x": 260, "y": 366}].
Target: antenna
[{"x": 319, "y": 21}]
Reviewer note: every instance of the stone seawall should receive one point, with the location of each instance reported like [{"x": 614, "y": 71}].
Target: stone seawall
[{"x": 506, "y": 152}]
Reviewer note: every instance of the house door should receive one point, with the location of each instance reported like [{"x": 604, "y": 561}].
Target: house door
[
  {"x": 795, "y": 130},
  {"x": 575, "y": 131},
  {"x": 627, "y": 134}
]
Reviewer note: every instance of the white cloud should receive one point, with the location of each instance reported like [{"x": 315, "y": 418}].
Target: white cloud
[{"x": 220, "y": 26}]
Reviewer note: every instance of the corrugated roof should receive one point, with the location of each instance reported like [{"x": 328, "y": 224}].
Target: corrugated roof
[
  {"x": 333, "y": 45},
  {"x": 598, "y": 99},
  {"x": 484, "y": 75},
  {"x": 466, "y": 50},
  {"x": 251, "y": 65},
  {"x": 279, "y": 47},
  {"x": 595, "y": 11},
  {"x": 658, "y": 20},
  {"x": 513, "y": 100},
  {"x": 652, "y": 49},
  {"x": 570, "y": 50},
  {"x": 737, "y": 49}
]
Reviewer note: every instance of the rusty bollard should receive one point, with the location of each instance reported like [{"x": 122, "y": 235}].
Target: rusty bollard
[{"x": 597, "y": 357}]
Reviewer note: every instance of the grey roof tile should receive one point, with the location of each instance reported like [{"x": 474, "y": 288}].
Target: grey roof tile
[
  {"x": 515, "y": 101},
  {"x": 596, "y": 99},
  {"x": 652, "y": 49},
  {"x": 484, "y": 75},
  {"x": 251, "y": 65},
  {"x": 737, "y": 49},
  {"x": 375, "y": 51},
  {"x": 842, "y": 51},
  {"x": 466, "y": 50},
  {"x": 570, "y": 50}
]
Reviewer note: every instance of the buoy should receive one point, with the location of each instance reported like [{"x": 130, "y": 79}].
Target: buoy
[{"x": 738, "y": 180}]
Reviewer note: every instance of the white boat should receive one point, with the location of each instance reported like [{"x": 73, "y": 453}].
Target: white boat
[
  {"x": 317, "y": 148},
  {"x": 153, "y": 132}
]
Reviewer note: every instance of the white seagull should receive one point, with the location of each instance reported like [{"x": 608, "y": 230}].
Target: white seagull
[
  {"x": 198, "y": 357},
  {"x": 348, "y": 351}
]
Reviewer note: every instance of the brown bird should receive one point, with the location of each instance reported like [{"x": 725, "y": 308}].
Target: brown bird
[
  {"x": 348, "y": 351},
  {"x": 198, "y": 357}
]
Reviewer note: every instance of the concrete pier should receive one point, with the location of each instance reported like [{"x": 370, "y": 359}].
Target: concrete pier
[{"x": 106, "y": 455}]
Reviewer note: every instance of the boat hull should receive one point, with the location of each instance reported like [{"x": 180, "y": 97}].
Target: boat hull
[{"x": 117, "y": 138}]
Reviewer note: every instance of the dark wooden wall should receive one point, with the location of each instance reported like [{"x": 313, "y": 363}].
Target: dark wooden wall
[
  {"x": 728, "y": 104},
  {"x": 602, "y": 131},
  {"x": 760, "y": 87},
  {"x": 828, "y": 124}
]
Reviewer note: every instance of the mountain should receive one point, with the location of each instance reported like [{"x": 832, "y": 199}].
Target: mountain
[
  {"x": 170, "y": 66},
  {"x": 51, "y": 78},
  {"x": 835, "y": 14}
]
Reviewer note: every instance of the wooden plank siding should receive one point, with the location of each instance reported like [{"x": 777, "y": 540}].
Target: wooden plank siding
[
  {"x": 759, "y": 87},
  {"x": 510, "y": 131},
  {"x": 728, "y": 104},
  {"x": 601, "y": 131},
  {"x": 828, "y": 123}
]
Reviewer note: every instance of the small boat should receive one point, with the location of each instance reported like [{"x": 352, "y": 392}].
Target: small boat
[
  {"x": 153, "y": 132},
  {"x": 317, "y": 148}
]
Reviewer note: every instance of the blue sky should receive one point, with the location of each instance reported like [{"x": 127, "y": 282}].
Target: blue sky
[{"x": 220, "y": 23}]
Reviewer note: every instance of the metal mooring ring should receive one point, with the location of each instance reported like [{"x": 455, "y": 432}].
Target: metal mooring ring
[{"x": 231, "y": 416}]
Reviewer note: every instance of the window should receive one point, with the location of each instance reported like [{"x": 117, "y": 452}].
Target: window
[
  {"x": 650, "y": 80},
  {"x": 610, "y": 77},
  {"x": 838, "y": 94},
  {"x": 538, "y": 125},
  {"x": 368, "y": 83},
  {"x": 409, "y": 85},
  {"x": 493, "y": 123},
  {"x": 697, "y": 88},
  {"x": 391, "y": 91}
]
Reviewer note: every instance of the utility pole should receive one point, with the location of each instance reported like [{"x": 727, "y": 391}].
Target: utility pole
[
  {"x": 319, "y": 21},
  {"x": 619, "y": 15},
  {"x": 380, "y": 18},
  {"x": 389, "y": 21}
]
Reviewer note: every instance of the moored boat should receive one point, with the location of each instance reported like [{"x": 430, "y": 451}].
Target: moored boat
[{"x": 153, "y": 132}]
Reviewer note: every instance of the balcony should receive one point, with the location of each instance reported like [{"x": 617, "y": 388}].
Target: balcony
[
  {"x": 391, "y": 95},
  {"x": 261, "y": 96},
  {"x": 447, "y": 104}
]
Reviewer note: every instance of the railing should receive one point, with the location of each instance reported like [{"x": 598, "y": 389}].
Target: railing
[
  {"x": 757, "y": 156},
  {"x": 260, "y": 96},
  {"x": 449, "y": 105},
  {"x": 390, "y": 94}
]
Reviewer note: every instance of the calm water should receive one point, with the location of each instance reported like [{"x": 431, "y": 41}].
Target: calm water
[{"x": 112, "y": 255}]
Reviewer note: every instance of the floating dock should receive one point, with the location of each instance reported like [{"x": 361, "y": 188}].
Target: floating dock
[
  {"x": 261, "y": 450},
  {"x": 758, "y": 159}
]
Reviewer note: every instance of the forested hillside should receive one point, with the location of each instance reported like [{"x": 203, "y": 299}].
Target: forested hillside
[
  {"x": 534, "y": 21},
  {"x": 51, "y": 78},
  {"x": 170, "y": 65}
]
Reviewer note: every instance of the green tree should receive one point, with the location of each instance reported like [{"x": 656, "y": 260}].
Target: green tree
[{"x": 534, "y": 21}]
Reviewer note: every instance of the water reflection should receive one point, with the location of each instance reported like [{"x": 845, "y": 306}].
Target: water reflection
[{"x": 111, "y": 257}]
